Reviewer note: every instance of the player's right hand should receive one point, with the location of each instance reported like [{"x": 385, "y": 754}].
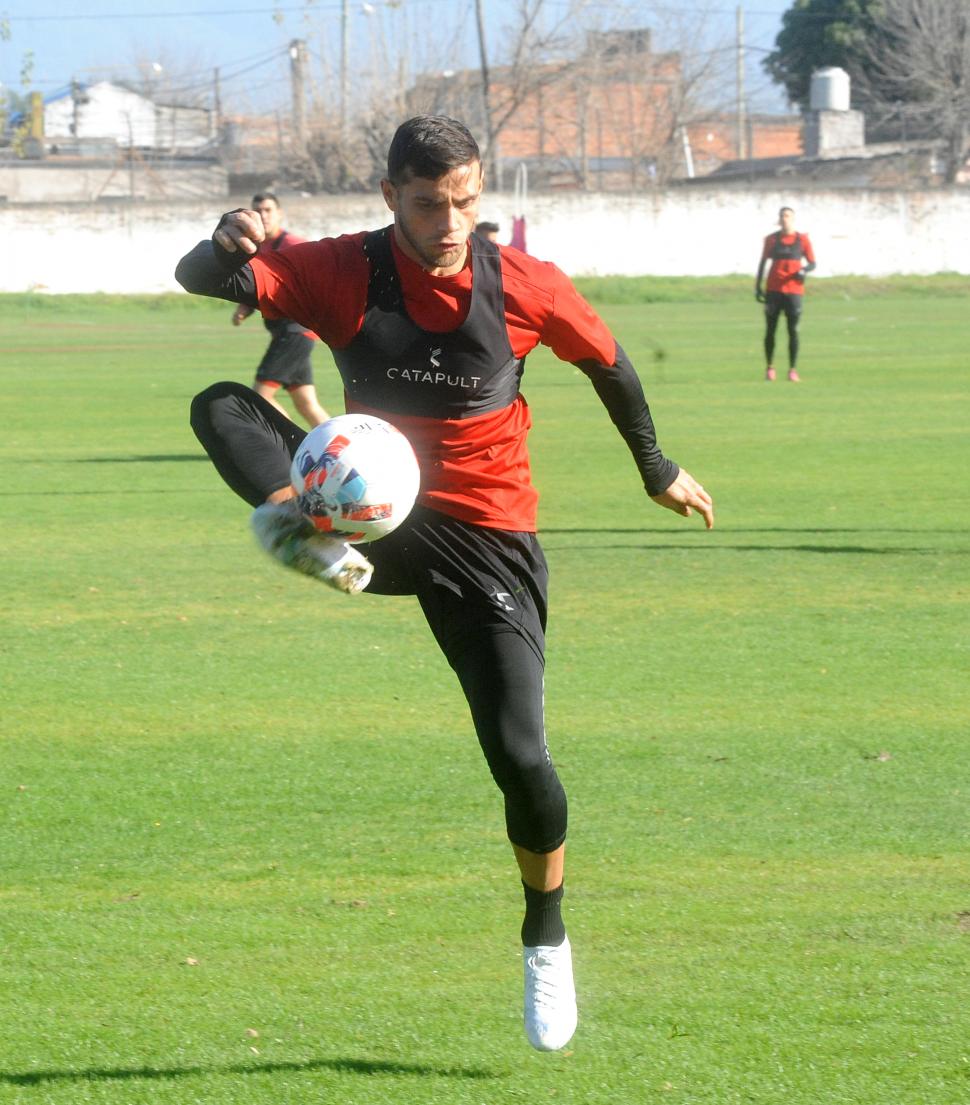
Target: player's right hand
[
  {"x": 759, "y": 295},
  {"x": 239, "y": 230}
]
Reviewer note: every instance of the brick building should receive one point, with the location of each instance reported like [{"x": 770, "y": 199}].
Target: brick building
[{"x": 616, "y": 117}]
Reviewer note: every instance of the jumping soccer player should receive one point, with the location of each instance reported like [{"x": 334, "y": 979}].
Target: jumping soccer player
[
  {"x": 792, "y": 258},
  {"x": 429, "y": 325},
  {"x": 286, "y": 362}
]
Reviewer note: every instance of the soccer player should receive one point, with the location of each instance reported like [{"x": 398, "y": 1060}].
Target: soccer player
[
  {"x": 488, "y": 230},
  {"x": 429, "y": 325},
  {"x": 792, "y": 258},
  {"x": 286, "y": 362}
]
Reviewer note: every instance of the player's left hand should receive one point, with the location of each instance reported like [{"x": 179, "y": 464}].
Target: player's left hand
[{"x": 684, "y": 496}]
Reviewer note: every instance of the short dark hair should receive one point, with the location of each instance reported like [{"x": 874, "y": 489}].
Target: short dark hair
[
  {"x": 486, "y": 228},
  {"x": 260, "y": 197},
  {"x": 428, "y": 146},
  {"x": 782, "y": 210}
]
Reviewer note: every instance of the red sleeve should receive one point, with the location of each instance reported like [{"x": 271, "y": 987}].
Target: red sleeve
[
  {"x": 322, "y": 285},
  {"x": 807, "y": 249},
  {"x": 767, "y": 247},
  {"x": 543, "y": 306}
]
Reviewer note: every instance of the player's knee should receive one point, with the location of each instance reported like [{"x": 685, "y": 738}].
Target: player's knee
[
  {"x": 203, "y": 405},
  {"x": 536, "y": 811}
]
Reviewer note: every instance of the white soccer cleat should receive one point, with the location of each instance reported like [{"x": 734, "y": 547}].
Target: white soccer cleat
[
  {"x": 293, "y": 540},
  {"x": 550, "y": 996}
]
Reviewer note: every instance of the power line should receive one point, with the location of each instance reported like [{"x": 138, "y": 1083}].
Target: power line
[{"x": 334, "y": 6}]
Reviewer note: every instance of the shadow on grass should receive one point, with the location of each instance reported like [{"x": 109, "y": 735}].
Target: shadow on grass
[
  {"x": 150, "y": 458},
  {"x": 820, "y": 530},
  {"x": 842, "y": 550},
  {"x": 341, "y": 1066}
]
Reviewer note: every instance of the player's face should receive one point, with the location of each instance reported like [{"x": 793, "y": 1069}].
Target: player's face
[
  {"x": 433, "y": 218},
  {"x": 272, "y": 218},
  {"x": 786, "y": 220}
]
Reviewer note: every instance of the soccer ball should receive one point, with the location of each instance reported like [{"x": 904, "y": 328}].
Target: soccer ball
[{"x": 357, "y": 477}]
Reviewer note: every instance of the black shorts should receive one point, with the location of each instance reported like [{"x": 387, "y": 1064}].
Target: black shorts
[
  {"x": 466, "y": 577},
  {"x": 287, "y": 359},
  {"x": 790, "y": 305}
]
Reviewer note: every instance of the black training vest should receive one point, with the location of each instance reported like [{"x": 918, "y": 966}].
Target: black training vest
[
  {"x": 792, "y": 252},
  {"x": 394, "y": 365}
]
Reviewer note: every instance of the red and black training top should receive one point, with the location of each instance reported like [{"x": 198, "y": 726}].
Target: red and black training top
[
  {"x": 474, "y": 464},
  {"x": 464, "y": 415},
  {"x": 787, "y": 253}
]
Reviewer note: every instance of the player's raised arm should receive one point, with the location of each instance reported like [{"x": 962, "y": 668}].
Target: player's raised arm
[{"x": 219, "y": 267}]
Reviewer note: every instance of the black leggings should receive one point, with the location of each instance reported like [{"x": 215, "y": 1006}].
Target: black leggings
[
  {"x": 775, "y": 304},
  {"x": 482, "y": 591}
]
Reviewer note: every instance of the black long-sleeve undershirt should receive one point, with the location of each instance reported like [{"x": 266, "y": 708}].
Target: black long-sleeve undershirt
[
  {"x": 620, "y": 391},
  {"x": 213, "y": 271}
]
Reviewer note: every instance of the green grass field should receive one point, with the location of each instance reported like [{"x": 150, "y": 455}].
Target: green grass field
[{"x": 249, "y": 850}]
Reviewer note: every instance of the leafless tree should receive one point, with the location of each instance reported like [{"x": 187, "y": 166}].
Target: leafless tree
[
  {"x": 618, "y": 116},
  {"x": 538, "y": 38},
  {"x": 920, "y": 63},
  {"x": 167, "y": 76}
]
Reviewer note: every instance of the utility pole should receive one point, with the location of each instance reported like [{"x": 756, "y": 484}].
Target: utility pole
[
  {"x": 298, "y": 83},
  {"x": 487, "y": 97},
  {"x": 742, "y": 111},
  {"x": 217, "y": 104},
  {"x": 344, "y": 67}
]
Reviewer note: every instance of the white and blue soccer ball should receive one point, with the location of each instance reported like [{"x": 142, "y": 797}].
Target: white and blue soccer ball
[{"x": 356, "y": 476}]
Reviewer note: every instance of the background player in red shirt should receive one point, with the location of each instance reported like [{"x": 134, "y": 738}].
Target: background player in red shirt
[
  {"x": 792, "y": 258},
  {"x": 286, "y": 362},
  {"x": 429, "y": 325}
]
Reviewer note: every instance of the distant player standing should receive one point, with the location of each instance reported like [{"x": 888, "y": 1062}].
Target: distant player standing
[
  {"x": 286, "y": 362},
  {"x": 792, "y": 258}
]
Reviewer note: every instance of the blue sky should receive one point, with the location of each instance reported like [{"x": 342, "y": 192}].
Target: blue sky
[{"x": 247, "y": 39}]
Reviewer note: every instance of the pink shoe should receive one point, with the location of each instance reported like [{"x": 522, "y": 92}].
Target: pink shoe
[
  {"x": 794, "y": 377},
  {"x": 769, "y": 373}
]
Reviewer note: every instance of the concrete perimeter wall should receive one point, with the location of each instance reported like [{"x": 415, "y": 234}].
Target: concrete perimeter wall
[{"x": 121, "y": 247}]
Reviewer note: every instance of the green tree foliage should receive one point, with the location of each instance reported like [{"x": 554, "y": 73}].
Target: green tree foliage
[{"x": 818, "y": 33}]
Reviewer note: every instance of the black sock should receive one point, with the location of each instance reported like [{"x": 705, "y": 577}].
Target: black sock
[{"x": 543, "y": 919}]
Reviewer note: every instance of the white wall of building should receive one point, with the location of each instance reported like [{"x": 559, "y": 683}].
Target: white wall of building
[
  {"x": 109, "y": 111},
  {"x": 116, "y": 247}
]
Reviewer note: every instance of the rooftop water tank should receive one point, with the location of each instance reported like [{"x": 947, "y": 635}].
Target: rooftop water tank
[{"x": 829, "y": 90}]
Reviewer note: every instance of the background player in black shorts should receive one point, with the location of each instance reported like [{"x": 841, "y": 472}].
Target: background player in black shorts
[
  {"x": 429, "y": 325},
  {"x": 792, "y": 258},
  {"x": 286, "y": 362}
]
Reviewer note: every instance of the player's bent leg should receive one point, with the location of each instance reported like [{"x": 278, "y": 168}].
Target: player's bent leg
[{"x": 250, "y": 443}]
